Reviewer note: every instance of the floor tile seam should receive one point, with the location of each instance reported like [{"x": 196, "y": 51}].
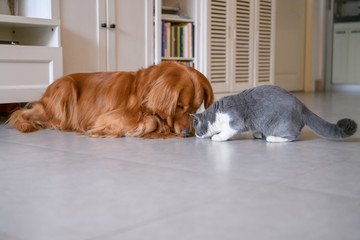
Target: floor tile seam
[
  {"x": 31, "y": 165},
  {"x": 311, "y": 170},
  {"x": 322, "y": 147},
  {"x": 282, "y": 182},
  {"x": 9, "y": 237},
  {"x": 47, "y": 148},
  {"x": 204, "y": 173},
  {"x": 17, "y": 168},
  {"x": 118, "y": 232},
  {"x": 25, "y": 144},
  {"x": 184, "y": 210},
  {"x": 352, "y": 197},
  {"x": 58, "y": 150},
  {"x": 187, "y": 170},
  {"x": 159, "y": 218}
]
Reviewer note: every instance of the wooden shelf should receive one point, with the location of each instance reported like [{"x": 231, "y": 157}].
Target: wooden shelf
[
  {"x": 177, "y": 59},
  {"x": 175, "y": 18},
  {"x": 20, "y": 21}
]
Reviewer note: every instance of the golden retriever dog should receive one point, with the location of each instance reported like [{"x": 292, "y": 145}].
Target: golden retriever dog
[{"x": 153, "y": 103}]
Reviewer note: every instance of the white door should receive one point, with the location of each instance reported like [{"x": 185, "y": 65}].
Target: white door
[{"x": 290, "y": 44}]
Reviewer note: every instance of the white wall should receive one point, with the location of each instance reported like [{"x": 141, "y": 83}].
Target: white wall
[{"x": 315, "y": 45}]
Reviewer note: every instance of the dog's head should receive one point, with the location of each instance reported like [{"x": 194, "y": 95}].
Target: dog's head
[{"x": 177, "y": 92}]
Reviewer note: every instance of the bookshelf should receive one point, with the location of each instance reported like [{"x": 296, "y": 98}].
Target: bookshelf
[
  {"x": 175, "y": 31},
  {"x": 31, "y": 56}
]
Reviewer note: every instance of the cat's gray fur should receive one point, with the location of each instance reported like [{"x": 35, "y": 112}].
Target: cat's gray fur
[{"x": 269, "y": 112}]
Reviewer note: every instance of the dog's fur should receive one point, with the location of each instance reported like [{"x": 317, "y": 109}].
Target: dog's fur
[{"x": 154, "y": 103}]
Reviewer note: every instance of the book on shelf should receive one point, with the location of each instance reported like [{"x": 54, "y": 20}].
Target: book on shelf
[
  {"x": 177, "y": 40},
  {"x": 170, "y": 10}
]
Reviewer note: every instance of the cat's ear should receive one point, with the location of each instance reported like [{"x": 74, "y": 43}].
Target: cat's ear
[{"x": 193, "y": 116}]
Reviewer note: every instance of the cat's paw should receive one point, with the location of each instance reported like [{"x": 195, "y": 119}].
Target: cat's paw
[
  {"x": 218, "y": 138},
  {"x": 274, "y": 139},
  {"x": 258, "y": 135}
]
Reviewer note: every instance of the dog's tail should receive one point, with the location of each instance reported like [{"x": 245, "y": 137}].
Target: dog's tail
[
  {"x": 28, "y": 119},
  {"x": 55, "y": 110}
]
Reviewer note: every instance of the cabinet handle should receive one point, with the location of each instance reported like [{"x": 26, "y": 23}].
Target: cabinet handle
[
  {"x": 340, "y": 32},
  {"x": 104, "y": 25},
  {"x": 355, "y": 31}
]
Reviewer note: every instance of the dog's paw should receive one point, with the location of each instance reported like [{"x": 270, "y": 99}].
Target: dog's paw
[{"x": 102, "y": 133}]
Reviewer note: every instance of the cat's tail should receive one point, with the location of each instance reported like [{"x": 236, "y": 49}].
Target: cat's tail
[{"x": 342, "y": 129}]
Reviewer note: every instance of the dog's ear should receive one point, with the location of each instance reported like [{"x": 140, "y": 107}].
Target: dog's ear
[
  {"x": 203, "y": 86},
  {"x": 162, "y": 99},
  {"x": 208, "y": 92}
]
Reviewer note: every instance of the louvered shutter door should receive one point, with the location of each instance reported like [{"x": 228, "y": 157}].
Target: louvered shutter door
[
  {"x": 218, "y": 59},
  {"x": 243, "y": 57},
  {"x": 264, "y": 42},
  {"x": 243, "y": 54}
]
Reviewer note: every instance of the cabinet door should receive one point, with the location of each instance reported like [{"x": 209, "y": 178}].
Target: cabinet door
[
  {"x": 354, "y": 56},
  {"x": 88, "y": 47},
  {"x": 127, "y": 46},
  {"x": 340, "y": 56},
  {"x": 81, "y": 35}
]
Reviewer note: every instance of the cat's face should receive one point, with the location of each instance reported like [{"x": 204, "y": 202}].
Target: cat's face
[{"x": 200, "y": 125}]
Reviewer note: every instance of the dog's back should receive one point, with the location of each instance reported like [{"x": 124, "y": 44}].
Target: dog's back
[
  {"x": 115, "y": 104},
  {"x": 72, "y": 102}
]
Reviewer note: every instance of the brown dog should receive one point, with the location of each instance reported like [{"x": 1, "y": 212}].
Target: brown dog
[{"x": 154, "y": 102}]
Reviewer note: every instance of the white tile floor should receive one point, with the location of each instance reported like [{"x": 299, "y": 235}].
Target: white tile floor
[{"x": 56, "y": 185}]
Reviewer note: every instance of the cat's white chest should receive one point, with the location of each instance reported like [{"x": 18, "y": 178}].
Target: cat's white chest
[{"x": 220, "y": 130}]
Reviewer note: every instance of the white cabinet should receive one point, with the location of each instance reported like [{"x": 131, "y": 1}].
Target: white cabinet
[
  {"x": 28, "y": 67},
  {"x": 354, "y": 55},
  {"x": 239, "y": 49},
  {"x": 346, "y": 53},
  {"x": 106, "y": 35}
]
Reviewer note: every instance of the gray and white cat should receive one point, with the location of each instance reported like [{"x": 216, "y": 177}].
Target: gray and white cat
[{"x": 268, "y": 112}]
